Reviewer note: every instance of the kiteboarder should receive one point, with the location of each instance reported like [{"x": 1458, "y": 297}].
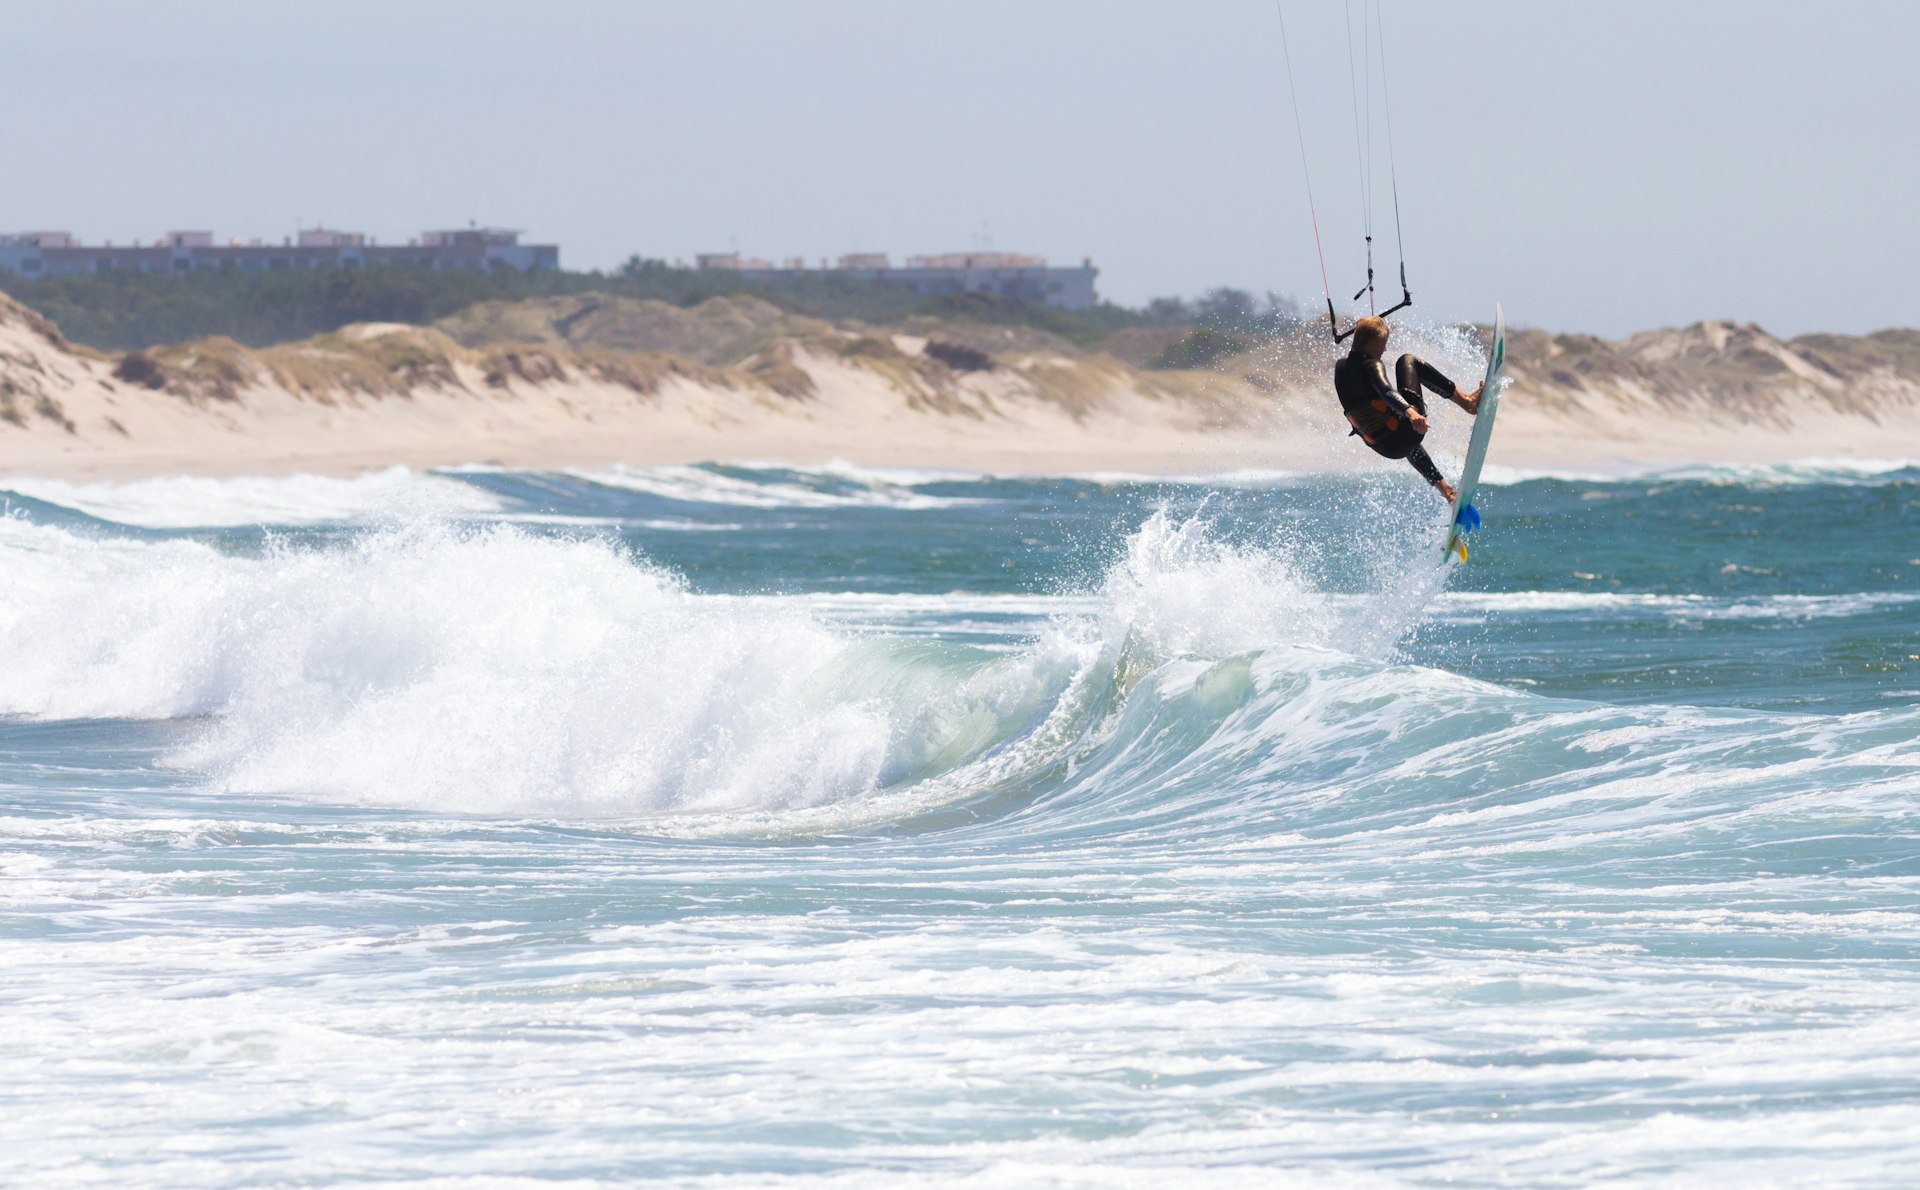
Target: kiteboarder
[{"x": 1392, "y": 418}]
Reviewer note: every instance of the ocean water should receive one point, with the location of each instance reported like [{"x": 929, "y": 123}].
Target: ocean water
[{"x": 768, "y": 826}]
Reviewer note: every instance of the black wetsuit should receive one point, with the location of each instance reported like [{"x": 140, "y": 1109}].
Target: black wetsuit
[{"x": 1378, "y": 410}]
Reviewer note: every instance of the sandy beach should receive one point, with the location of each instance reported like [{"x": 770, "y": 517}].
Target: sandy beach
[{"x": 375, "y": 396}]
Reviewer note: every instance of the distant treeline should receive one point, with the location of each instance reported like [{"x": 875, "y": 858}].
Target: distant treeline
[{"x": 128, "y": 311}]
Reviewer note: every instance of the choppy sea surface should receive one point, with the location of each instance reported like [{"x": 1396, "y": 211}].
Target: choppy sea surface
[{"x": 763, "y": 825}]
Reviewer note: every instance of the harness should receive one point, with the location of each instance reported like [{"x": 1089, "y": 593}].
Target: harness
[
  {"x": 1393, "y": 422},
  {"x": 1361, "y": 391}
]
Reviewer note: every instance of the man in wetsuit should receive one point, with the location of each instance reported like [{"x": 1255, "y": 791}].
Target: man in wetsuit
[{"x": 1392, "y": 418}]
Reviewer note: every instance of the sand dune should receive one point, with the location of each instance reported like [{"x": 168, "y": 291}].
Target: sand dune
[{"x": 567, "y": 382}]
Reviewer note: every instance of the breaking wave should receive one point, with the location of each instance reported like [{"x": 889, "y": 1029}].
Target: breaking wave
[{"x": 479, "y": 669}]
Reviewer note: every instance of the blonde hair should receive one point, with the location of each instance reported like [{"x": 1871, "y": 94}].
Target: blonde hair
[{"x": 1369, "y": 331}]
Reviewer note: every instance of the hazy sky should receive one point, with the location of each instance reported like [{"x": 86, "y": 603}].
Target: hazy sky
[{"x": 1605, "y": 167}]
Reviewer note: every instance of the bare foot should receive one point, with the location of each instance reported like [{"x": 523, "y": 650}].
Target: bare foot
[
  {"x": 1469, "y": 401},
  {"x": 1446, "y": 489}
]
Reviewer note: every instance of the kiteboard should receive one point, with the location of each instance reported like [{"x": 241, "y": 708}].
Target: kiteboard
[{"x": 1466, "y": 518}]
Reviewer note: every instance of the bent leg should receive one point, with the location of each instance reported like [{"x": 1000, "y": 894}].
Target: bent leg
[{"x": 1411, "y": 374}]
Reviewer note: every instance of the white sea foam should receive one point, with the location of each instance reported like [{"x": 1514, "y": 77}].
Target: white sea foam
[
  {"x": 1238, "y": 477},
  {"x": 1496, "y": 475},
  {"x": 184, "y": 501},
  {"x": 1292, "y": 612},
  {"x": 480, "y": 669},
  {"x": 889, "y": 606},
  {"x": 1810, "y": 471},
  {"x": 1802, "y": 607},
  {"x": 915, "y": 477},
  {"x": 1194, "y": 885},
  {"x": 707, "y": 485},
  {"x": 1804, "y": 471},
  {"x": 484, "y": 670},
  {"x": 897, "y": 477}
]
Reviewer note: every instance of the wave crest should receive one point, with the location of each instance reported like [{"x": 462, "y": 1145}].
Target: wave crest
[{"x": 470, "y": 669}]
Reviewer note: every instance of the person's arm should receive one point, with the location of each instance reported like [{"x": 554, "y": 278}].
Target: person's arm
[{"x": 1383, "y": 389}]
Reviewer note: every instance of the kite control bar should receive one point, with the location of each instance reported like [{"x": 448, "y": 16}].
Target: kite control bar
[
  {"x": 1406, "y": 295},
  {"x": 1406, "y": 299}
]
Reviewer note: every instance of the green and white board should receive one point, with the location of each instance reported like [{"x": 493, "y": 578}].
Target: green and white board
[{"x": 1464, "y": 518}]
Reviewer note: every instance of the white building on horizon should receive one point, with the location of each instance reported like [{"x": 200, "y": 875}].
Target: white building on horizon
[
  {"x": 1014, "y": 275},
  {"x": 37, "y": 254}
]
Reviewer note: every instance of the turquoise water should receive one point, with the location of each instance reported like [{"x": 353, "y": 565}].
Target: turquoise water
[{"x": 769, "y": 826}]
